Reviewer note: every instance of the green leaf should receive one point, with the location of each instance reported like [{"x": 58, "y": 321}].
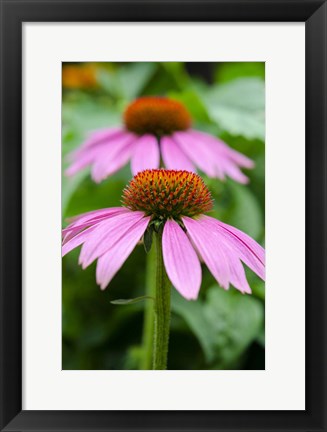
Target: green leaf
[
  {"x": 134, "y": 78},
  {"x": 236, "y": 320},
  {"x": 225, "y": 324},
  {"x": 194, "y": 315},
  {"x": 128, "y": 81},
  {"x": 238, "y": 107},
  {"x": 131, "y": 301}
]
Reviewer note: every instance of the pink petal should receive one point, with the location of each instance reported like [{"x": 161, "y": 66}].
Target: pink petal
[
  {"x": 234, "y": 172},
  {"x": 210, "y": 250},
  {"x": 113, "y": 161},
  {"x": 226, "y": 160},
  {"x": 92, "y": 149},
  {"x": 94, "y": 213},
  {"x": 103, "y": 135},
  {"x": 247, "y": 249},
  {"x": 213, "y": 156},
  {"x": 173, "y": 156},
  {"x": 84, "y": 158},
  {"x": 86, "y": 221},
  {"x": 181, "y": 262},
  {"x": 96, "y": 139},
  {"x": 145, "y": 154},
  {"x": 235, "y": 156},
  {"x": 106, "y": 235},
  {"x": 104, "y": 149},
  {"x": 221, "y": 259},
  {"x": 77, "y": 240},
  {"x": 197, "y": 153},
  {"x": 109, "y": 263},
  {"x": 89, "y": 217},
  {"x": 237, "y": 275}
]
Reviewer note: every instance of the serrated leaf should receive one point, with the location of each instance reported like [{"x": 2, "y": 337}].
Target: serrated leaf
[{"x": 131, "y": 301}]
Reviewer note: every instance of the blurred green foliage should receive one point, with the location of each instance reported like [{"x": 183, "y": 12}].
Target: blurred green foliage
[{"x": 223, "y": 329}]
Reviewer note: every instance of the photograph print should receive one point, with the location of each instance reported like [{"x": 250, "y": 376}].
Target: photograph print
[{"x": 163, "y": 216}]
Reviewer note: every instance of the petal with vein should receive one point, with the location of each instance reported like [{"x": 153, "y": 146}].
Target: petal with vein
[
  {"x": 145, "y": 154},
  {"x": 210, "y": 249},
  {"x": 181, "y": 262},
  {"x": 197, "y": 153},
  {"x": 239, "y": 158},
  {"x": 114, "y": 160},
  {"x": 173, "y": 156},
  {"x": 109, "y": 263},
  {"x": 106, "y": 235},
  {"x": 91, "y": 219},
  {"x": 77, "y": 240},
  {"x": 248, "y": 250}
]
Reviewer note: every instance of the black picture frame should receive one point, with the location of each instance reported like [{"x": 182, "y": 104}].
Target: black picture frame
[{"x": 13, "y": 14}]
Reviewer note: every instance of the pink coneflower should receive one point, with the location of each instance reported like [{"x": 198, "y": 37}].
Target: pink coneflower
[
  {"x": 173, "y": 204},
  {"x": 157, "y": 131}
]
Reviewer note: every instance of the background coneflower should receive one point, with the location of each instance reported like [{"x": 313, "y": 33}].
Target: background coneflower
[{"x": 157, "y": 131}]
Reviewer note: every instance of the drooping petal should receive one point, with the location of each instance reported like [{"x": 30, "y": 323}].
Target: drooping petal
[
  {"x": 146, "y": 154},
  {"x": 237, "y": 157},
  {"x": 87, "y": 219},
  {"x": 109, "y": 263},
  {"x": 173, "y": 156},
  {"x": 213, "y": 156},
  {"x": 220, "y": 254},
  {"x": 103, "y": 135},
  {"x": 102, "y": 150},
  {"x": 197, "y": 153},
  {"x": 181, "y": 262},
  {"x": 210, "y": 250},
  {"x": 94, "y": 213},
  {"x": 95, "y": 139},
  {"x": 247, "y": 249},
  {"x": 227, "y": 160},
  {"x": 95, "y": 146},
  {"x": 113, "y": 160},
  {"x": 106, "y": 234},
  {"x": 237, "y": 274},
  {"x": 91, "y": 217},
  {"x": 84, "y": 158},
  {"x": 77, "y": 240},
  {"x": 233, "y": 172}
]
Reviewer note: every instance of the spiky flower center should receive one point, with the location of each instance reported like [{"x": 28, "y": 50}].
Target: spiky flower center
[
  {"x": 166, "y": 194},
  {"x": 156, "y": 115}
]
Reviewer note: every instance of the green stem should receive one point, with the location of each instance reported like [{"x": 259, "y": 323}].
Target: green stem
[
  {"x": 148, "y": 325},
  {"x": 161, "y": 310}
]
